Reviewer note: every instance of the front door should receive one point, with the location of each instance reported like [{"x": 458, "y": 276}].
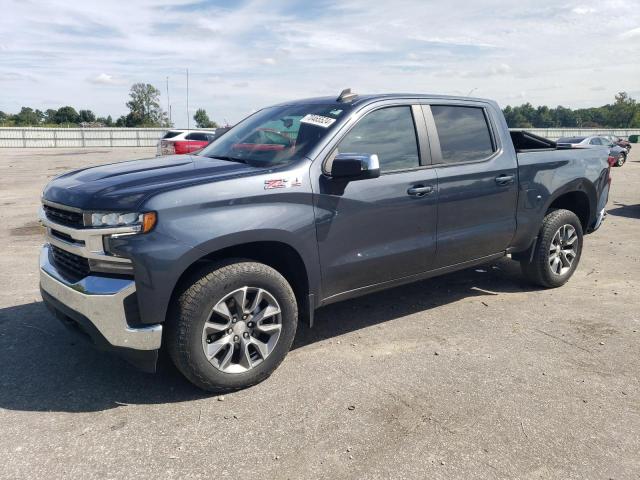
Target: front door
[{"x": 375, "y": 230}]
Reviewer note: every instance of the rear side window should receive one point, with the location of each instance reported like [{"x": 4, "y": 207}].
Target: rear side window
[
  {"x": 388, "y": 133},
  {"x": 171, "y": 134},
  {"x": 463, "y": 132},
  {"x": 201, "y": 137}
]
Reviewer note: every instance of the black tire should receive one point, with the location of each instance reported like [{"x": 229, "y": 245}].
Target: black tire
[
  {"x": 193, "y": 307},
  {"x": 539, "y": 270},
  {"x": 621, "y": 160}
]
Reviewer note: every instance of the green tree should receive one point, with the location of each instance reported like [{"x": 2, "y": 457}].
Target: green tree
[
  {"x": 86, "y": 116},
  {"x": 202, "y": 119},
  {"x": 565, "y": 117},
  {"x": 107, "y": 122},
  {"x": 4, "y": 118},
  {"x": 544, "y": 117},
  {"x": 27, "y": 117},
  {"x": 623, "y": 111},
  {"x": 50, "y": 115},
  {"x": 144, "y": 107},
  {"x": 67, "y": 115}
]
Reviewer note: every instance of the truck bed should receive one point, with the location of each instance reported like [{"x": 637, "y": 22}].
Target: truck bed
[{"x": 524, "y": 141}]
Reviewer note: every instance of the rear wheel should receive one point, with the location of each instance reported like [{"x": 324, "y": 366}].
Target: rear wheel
[
  {"x": 621, "y": 160},
  {"x": 557, "y": 252},
  {"x": 232, "y": 326}
]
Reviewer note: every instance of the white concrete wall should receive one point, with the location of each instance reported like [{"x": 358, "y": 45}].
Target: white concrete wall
[
  {"x": 79, "y": 137},
  {"x": 555, "y": 133}
]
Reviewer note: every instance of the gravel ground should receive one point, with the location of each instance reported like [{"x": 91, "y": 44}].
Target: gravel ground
[{"x": 470, "y": 375}]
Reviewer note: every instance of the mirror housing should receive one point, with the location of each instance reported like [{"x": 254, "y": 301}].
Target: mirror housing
[{"x": 355, "y": 166}]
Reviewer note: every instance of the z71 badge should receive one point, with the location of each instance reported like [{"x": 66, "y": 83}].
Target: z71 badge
[{"x": 282, "y": 183}]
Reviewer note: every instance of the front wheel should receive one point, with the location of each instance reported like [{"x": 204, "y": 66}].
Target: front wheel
[
  {"x": 232, "y": 326},
  {"x": 557, "y": 252}
]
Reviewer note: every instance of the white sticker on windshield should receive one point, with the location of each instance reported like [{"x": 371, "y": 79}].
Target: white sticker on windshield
[{"x": 317, "y": 120}]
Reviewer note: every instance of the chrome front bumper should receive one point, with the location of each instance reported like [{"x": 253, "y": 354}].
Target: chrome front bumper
[{"x": 101, "y": 300}]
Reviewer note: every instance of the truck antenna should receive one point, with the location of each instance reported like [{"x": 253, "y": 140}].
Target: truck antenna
[{"x": 346, "y": 96}]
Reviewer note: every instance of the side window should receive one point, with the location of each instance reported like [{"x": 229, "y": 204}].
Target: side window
[
  {"x": 201, "y": 137},
  {"x": 389, "y": 133},
  {"x": 463, "y": 132},
  {"x": 595, "y": 141}
]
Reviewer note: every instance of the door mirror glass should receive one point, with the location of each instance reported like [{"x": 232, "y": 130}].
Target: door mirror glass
[{"x": 355, "y": 166}]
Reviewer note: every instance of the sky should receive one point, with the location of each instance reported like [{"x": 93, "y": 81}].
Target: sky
[{"x": 243, "y": 55}]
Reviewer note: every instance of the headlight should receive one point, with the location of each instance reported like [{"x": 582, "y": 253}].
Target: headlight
[{"x": 141, "y": 222}]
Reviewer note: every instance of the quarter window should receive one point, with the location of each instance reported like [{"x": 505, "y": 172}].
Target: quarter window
[
  {"x": 463, "y": 132},
  {"x": 388, "y": 133}
]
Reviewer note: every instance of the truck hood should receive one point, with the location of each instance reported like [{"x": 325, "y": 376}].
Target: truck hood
[{"x": 125, "y": 185}]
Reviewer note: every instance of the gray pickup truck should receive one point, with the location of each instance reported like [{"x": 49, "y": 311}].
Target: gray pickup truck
[{"x": 217, "y": 256}]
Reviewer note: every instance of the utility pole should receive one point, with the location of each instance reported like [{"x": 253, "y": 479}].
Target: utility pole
[
  {"x": 188, "y": 118},
  {"x": 168, "y": 102}
]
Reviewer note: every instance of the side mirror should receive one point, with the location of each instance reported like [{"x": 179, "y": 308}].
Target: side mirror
[{"x": 355, "y": 166}]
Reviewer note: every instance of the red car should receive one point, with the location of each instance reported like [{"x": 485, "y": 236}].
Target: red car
[{"x": 178, "y": 142}]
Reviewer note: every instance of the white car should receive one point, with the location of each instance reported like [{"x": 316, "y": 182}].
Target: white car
[{"x": 177, "y": 142}]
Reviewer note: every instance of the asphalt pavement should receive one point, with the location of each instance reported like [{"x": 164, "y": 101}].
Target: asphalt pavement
[{"x": 476, "y": 374}]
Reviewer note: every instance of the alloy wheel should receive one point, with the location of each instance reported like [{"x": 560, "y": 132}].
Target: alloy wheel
[
  {"x": 242, "y": 330},
  {"x": 563, "y": 250}
]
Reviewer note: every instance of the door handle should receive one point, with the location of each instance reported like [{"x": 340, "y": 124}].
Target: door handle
[
  {"x": 505, "y": 179},
  {"x": 420, "y": 190}
]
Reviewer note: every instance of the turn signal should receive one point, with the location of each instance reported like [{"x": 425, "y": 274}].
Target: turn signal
[{"x": 148, "y": 221}]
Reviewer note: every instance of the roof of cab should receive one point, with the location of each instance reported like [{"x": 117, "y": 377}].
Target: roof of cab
[{"x": 370, "y": 98}]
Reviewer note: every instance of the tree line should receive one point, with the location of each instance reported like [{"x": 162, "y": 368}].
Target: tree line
[
  {"x": 144, "y": 111},
  {"x": 624, "y": 112}
]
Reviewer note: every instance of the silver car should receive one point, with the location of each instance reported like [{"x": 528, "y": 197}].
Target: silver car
[{"x": 615, "y": 151}]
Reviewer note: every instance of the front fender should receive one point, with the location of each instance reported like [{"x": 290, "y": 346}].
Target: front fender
[{"x": 187, "y": 233}]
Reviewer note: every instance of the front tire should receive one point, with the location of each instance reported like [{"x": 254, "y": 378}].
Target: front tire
[
  {"x": 557, "y": 252},
  {"x": 232, "y": 325}
]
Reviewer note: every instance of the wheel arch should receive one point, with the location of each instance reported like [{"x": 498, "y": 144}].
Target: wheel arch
[
  {"x": 576, "y": 201},
  {"x": 278, "y": 254}
]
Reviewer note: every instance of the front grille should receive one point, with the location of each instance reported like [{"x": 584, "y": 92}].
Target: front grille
[
  {"x": 72, "y": 266},
  {"x": 64, "y": 217}
]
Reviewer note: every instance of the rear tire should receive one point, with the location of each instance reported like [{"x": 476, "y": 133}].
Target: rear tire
[
  {"x": 557, "y": 252},
  {"x": 621, "y": 160},
  {"x": 232, "y": 325}
]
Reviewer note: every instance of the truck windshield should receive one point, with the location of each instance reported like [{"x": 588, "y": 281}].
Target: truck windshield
[{"x": 276, "y": 135}]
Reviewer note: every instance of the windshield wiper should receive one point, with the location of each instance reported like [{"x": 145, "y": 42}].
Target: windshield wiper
[{"x": 229, "y": 159}]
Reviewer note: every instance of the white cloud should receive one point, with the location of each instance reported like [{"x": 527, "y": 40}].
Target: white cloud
[
  {"x": 454, "y": 41},
  {"x": 633, "y": 33},
  {"x": 583, "y": 10},
  {"x": 15, "y": 77},
  {"x": 244, "y": 55},
  {"x": 104, "y": 79}
]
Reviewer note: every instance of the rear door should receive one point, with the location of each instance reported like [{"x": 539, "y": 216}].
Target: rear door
[
  {"x": 477, "y": 182},
  {"x": 376, "y": 230}
]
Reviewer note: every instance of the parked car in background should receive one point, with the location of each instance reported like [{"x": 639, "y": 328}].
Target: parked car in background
[
  {"x": 615, "y": 151},
  {"x": 621, "y": 142},
  {"x": 179, "y": 142}
]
